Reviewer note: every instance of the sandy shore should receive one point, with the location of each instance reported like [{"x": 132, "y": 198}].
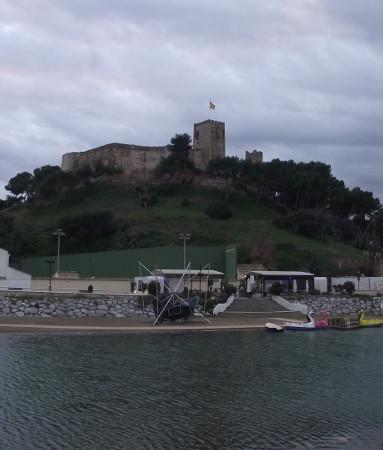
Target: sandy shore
[{"x": 142, "y": 324}]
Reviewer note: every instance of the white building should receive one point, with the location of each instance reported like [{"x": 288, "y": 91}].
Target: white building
[
  {"x": 260, "y": 281},
  {"x": 11, "y": 278}
]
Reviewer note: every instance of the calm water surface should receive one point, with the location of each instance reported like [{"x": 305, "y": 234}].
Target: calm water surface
[{"x": 234, "y": 390}]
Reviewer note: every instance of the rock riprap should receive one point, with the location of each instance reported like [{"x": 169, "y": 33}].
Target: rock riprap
[
  {"x": 335, "y": 304},
  {"x": 22, "y": 304}
]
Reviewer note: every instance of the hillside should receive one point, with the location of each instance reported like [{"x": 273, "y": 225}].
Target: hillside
[{"x": 170, "y": 210}]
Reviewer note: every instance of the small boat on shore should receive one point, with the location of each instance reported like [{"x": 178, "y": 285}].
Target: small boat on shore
[
  {"x": 301, "y": 326},
  {"x": 363, "y": 322},
  {"x": 273, "y": 327}
]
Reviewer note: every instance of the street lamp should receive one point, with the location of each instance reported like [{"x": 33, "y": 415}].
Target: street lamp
[
  {"x": 50, "y": 263},
  {"x": 358, "y": 275},
  {"x": 185, "y": 237},
  {"x": 58, "y": 232}
]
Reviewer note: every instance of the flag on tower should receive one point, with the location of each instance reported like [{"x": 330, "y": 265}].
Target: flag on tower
[{"x": 211, "y": 105}]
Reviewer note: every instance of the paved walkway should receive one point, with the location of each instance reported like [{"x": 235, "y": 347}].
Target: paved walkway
[{"x": 65, "y": 324}]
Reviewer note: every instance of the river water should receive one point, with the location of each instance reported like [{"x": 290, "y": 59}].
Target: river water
[{"x": 219, "y": 390}]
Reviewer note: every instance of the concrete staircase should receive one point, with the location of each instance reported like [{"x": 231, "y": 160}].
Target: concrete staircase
[{"x": 255, "y": 305}]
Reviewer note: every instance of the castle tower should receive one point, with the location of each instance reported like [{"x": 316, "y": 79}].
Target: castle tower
[
  {"x": 208, "y": 142},
  {"x": 256, "y": 156}
]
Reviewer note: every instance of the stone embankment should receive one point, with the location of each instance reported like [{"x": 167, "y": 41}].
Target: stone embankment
[
  {"x": 24, "y": 304},
  {"x": 340, "y": 304}
]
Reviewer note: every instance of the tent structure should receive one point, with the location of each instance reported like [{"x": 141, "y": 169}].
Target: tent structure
[{"x": 291, "y": 281}]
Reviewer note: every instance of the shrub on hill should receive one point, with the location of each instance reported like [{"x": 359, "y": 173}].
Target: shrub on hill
[
  {"x": 244, "y": 254},
  {"x": 320, "y": 224},
  {"x": 88, "y": 231},
  {"x": 219, "y": 210}
]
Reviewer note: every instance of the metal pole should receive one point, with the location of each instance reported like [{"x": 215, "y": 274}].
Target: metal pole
[
  {"x": 50, "y": 273},
  {"x": 59, "y": 232},
  {"x": 58, "y": 251},
  {"x": 185, "y": 237},
  {"x": 184, "y": 252}
]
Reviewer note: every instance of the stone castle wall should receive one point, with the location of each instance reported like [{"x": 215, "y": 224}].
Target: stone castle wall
[
  {"x": 137, "y": 162},
  {"x": 256, "y": 156}
]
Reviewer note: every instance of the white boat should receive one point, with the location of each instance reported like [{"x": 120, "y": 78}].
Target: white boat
[
  {"x": 273, "y": 327},
  {"x": 301, "y": 326}
]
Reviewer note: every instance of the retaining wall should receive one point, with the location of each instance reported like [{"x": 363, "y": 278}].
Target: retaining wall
[
  {"x": 72, "y": 305},
  {"x": 340, "y": 304}
]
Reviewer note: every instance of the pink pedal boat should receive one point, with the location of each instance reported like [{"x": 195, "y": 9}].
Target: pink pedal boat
[{"x": 323, "y": 321}]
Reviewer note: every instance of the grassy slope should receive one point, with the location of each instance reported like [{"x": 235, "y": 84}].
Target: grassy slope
[{"x": 251, "y": 225}]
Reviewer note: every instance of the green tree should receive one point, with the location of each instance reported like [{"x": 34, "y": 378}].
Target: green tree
[
  {"x": 228, "y": 167},
  {"x": 90, "y": 231},
  {"x": 50, "y": 181},
  {"x": 178, "y": 160},
  {"x": 21, "y": 185},
  {"x": 363, "y": 202}
]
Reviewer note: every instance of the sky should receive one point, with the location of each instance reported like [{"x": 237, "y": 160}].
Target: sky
[{"x": 297, "y": 79}]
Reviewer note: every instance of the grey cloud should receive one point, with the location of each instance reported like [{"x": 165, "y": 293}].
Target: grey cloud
[{"x": 299, "y": 80}]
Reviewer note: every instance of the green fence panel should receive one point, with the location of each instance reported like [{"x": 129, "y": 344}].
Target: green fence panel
[
  {"x": 231, "y": 262},
  {"x": 125, "y": 263}
]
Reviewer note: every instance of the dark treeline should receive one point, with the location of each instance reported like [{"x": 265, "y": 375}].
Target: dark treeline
[
  {"x": 50, "y": 181},
  {"x": 296, "y": 185},
  {"x": 313, "y": 202}
]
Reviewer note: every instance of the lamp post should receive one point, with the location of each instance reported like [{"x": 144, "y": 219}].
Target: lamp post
[
  {"x": 185, "y": 237},
  {"x": 58, "y": 232},
  {"x": 358, "y": 275},
  {"x": 50, "y": 263}
]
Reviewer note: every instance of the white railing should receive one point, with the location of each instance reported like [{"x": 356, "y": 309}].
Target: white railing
[
  {"x": 298, "y": 307},
  {"x": 222, "y": 307}
]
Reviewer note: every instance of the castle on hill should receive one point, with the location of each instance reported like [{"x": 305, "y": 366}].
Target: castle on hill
[{"x": 139, "y": 162}]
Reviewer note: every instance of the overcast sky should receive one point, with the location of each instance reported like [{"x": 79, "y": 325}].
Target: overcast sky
[{"x": 298, "y": 79}]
